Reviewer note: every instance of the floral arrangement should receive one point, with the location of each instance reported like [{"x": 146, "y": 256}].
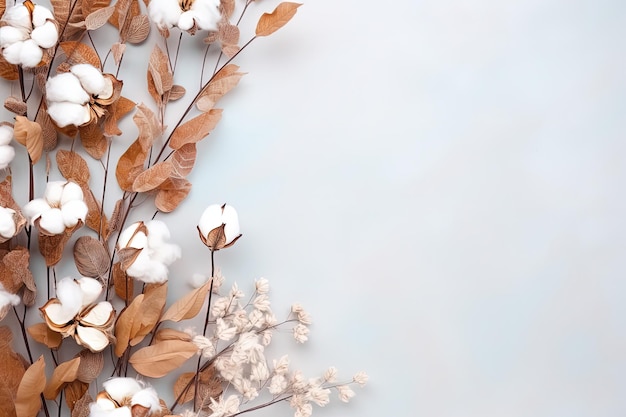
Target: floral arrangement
[{"x": 108, "y": 331}]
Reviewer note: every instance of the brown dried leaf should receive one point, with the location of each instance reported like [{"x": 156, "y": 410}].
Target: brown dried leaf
[
  {"x": 230, "y": 50},
  {"x": 74, "y": 392},
  {"x": 80, "y": 53},
  {"x": 228, "y": 33},
  {"x": 13, "y": 368},
  {"x": 153, "y": 177},
  {"x": 81, "y": 407},
  {"x": 127, "y": 256},
  {"x": 27, "y": 401},
  {"x": 65, "y": 372},
  {"x": 95, "y": 220},
  {"x": 61, "y": 11},
  {"x": 49, "y": 132},
  {"x": 91, "y": 365},
  {"x": 159, "y": 69},
  {"x": 271, "y": 22},
  {"x": 123, "y": 284},
  {"x": 91, "y": 257},
  {"x": 126, "y": 323},
  {"x": 7, "y": 408},
  {"x": 8, "y": 71},
  {"x": 152, "y": 306},
  {"x": 188, "y": 306},
  {"x": 90, "y": 6},
  {"x": 29, "y": 134},
  {"x": 195, "y": 129},
  {"x": 209, "y": 386},
  {"x": 15, "y": 105},
  {"x": 177, "y": 92},
  {"x": 73, "y": 167},
  {"x": 132, "y": 161},
  {"x": 159, "y": 360},
  {"x": 224, "y": 81},
  {"x": 116, "y": 217},
  {"x": 117, "y": 110},
  {"x": 93, "y": 140},
  {"x": 98, "y": 18},
  {"x": 171, "y": 334},
  {"x": 227, "y": 7},
  {"x": 118, "y": 50},
  {"x": 171, "y": 193},
  {"x": 139, "y": 29},
  {"x": 51, "y": 247},
  {"x": 42, "y": 334},
  {"x": 183, "y": 160}
]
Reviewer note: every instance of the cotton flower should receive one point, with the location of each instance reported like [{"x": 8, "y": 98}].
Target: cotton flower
[
  {"x": 81, "y": 95},
  {"x": 219, "y": 226},
  {"x": 26, "y": 30},
  {"x": 8, "y": 223},
  {"x": 151, "y": 254},
  {"x": 74, "y": 312},
  {"x": 7, "y": 300},
  {"x": 61, "y": 207},
  {"x": 187, "y": 15},
  {"x": 126, "y": 397},
  {"x": 7, "y": 153}
]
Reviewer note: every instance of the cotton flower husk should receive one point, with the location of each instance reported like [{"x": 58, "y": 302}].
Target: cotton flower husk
[{"x": 219, "y": 226}]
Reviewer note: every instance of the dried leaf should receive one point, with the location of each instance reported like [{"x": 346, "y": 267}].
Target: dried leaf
[
  {"x": 42, "y": 334},
  {"x": 177, "y": 92},
  {"x": 74, "y": 392},
  {"x": 15, "y": 105},
  {"x": 95, "y": 220},
  {"x": 8, "y": 71},
  {"x": 171, "y": 193},
  {"x": 195, "y": 129},
  {"x": 27, "y": 401},
  {"x": 80, "y": 53},
  {"x": 81, "y": 407},
  {"x": 51, "y": 247},
  {"x": 91, "y": 365},
  {"x": 61, "y": 10},
  {"x": 230, "y": 50},
  {"x": 93, "y": 140},
  {"x": 116, "y": 217},
  {"x": 98, "y": 18},
  {"x": 183, "y": 160},
  {"x": 222, "y": 83},
  {"x": 126, "y": 322},
  {"x": 152, "y": 306},
  {"x": 171, "y": 334},
  {"x": 117, "y": 110},
  {"x": 65, "y": 372},
  {"x": 159, "y": 360},
  {"x": 29, "y": 134},
  {"x": 7, "y": 408},
  {"x": 90, "y": 6},
  {"x": 73, "y": 167},
  {"x": 159, "y": 70},
  {"x": 91, "y": 257},
  {"x": 228, "y": 33},
  {"x": 139, "y": 29},
  {"x": 209, "y": 386},
  {"x": 188, "y": 306},
  {"x": 118, "y": 51},
  {"x": 123, "y": 284},
  {"x": 49, "y": 132},
  {"x": 271, "y": 22},
  {"x": 227, "y": 7},
  {"x": 13, "y": 368},
  {"x": 152, "y": 177},
  {"x": 132, "y": 161}
]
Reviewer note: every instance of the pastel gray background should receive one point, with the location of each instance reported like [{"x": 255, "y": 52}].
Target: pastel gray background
[{"x": 439, "y": 182}]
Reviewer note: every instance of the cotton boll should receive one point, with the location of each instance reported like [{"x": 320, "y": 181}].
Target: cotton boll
[
  {"x": 96, "y": 411},
  {"x": 30, "y": 54},
  {"x": 90, "y": 290},
  {"x": 164, "y": 13},
  {"x": 53, "y": 193},
  {"x": 7, "y": 153},
  {"x": 6, "y": 298},
  {"x": 18, "y": 16},
  {"x": 206, "y": 14},
  {"x": 9, "y": 35},
  {"x": 41, "y": 15},
  {"x": 51, "y": 221},
  {"x": 90, "y": 78},
  {"x": 46, "y": 35},
  {"x": 120, "y": 388},
  {"x": 148, "y": 398},
  {"x": 72, "y": 212},
  {"x": 157, "y": 233},
  {"x": 129, "y": 237},
  {"x": 71, "y": 191},
  {"x": 66, "y": 87},
  {"x": 185, "y": 22},
  {"x": 13, "y": 53},
  {"x": 166, "y": 253},
  {"x": 6, "y": 134},
  {"x": 65, "y": 113},
  {"x": 7, "y": 222},
  {"x": 33, "y": 209},
  {"x": 69, "y": 294}
]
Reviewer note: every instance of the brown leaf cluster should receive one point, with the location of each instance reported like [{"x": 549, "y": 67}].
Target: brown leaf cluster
[
  {"x": 227, "y": 35},
  {"x": 209, "y": 386},
  {"x": 133, "y": 27},
  {"x": 75, "y": 17},
  {"x": 161, "y": 80}
]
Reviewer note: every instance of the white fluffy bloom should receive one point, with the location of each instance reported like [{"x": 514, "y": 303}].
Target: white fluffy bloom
[
  {"x": 68, "y": 94},
  {"x": 7, "y": 299},
  {"x": 61, "y": 207},
  {"x": 8, "y": 227},
  {"x": 185, "y": 14},
  {"x": 26, "y": 30},
  {"x": 219, "y": 226},
  {"x": 7, "y": 153},
  {"x": 155, "y": 254},
  {"x": 120, "y": 395}
]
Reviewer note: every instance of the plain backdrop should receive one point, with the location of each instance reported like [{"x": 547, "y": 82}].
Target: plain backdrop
[{"x": 440, "y": 184}]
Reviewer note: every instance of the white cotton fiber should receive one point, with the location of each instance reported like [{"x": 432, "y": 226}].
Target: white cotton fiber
[
  {"x": 65, "y": 113},
  {"x": 40, "y": 15},
  {"x": 90, "y": 78},
  {"x": 46, "y": 35},
  {"x": 74, "y": 211},
  {"x": 9, "y": 35},
  {"x": 30, "y": 54},
  {"x": 52, "y": 221},
  {"x": 66, "y": 87}
]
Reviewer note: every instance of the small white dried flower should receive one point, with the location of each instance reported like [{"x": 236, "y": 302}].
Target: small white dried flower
[
  {"x": 319, "y": 395},
  {"x": 278, "y": 384},
  {"x": 220, "y": 307},
  {"x": 219, "y": 226},
  {"x": 262, "y": 303},
  {"x": 223, "y": 331},
  {"x": 185, "y": 14},
  {"x": 266, "y": 337},
  {"x": 304, "y": 410},
  {"x": 224, "y": 407},
  {"x": 155, "y": 254},
  {"x": 26, "y": 29},
  {"x": 331, "y": 374},
  {"x": 281, "y": 366},
  {"x": 262, "y": 286},
  {"x": 302, "y": 316},
  {"x": 345, "y": 393},
  {"x": 361, "y": 378},
  {"x": 7, "y": 153},
  {"x": 61, "y": 207},
  {"x": 205, "y": 346},
  {"x": 300, "y": 332}
]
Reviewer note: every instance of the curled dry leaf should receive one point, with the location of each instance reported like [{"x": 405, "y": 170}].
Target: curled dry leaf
[
  {"x": 123, "y": 284},
  {"x": 188, "y": 306},
  {"x": 271, "y": 22},
  {"x": 195, "y": 129},
  {"x": 44, "y": 335},
  {"x": 74, "y": 392},
  {"x": 152, "y": 305},
  {"x": 177, "y": 92},
  {"x": 73, "y": 167},
  {"x": 160, "y": 78},
  {"x": 152, "y": 177},
  {"x": 90, "y": 366},
  {"x": 117, "y": 110},
  {"x": 93, "y": 140},
  {"x": 79, "y": 408},
  {"x": 29, "y": 134},
  {"x": 51, "y": 247},
  {"x": 49, "y": 132},
  {"x": 171, "y": 334},
  {"x": 162, "y": 358},
  {"x": 27, "y": 401},
  {"x": 91, "y": 257},
  {"x": 13, "y": 368},
  {"x": 15, "y": 274},
  {"x": 64, "y": 372},
  {"x": 98, "y": 18},
  {"x": 80, "y": 53},
  {"x": 127, "y": 325},
  {"x": 118, "y": 51},
  {"x": 171, "y": 193},
  {"x": 15, "y": 105},
  {"x": 224, "y": 81},
  {"x": 227, "y": 7}
]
